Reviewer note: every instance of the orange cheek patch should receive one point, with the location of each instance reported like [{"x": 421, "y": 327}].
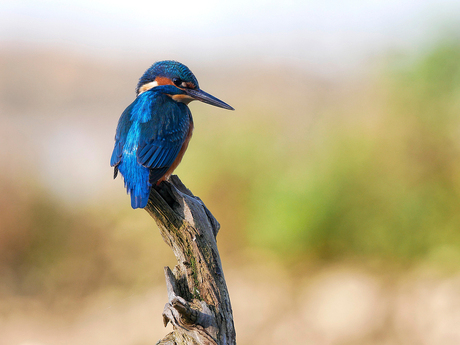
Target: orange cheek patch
[{"x": 163, "y": 81}]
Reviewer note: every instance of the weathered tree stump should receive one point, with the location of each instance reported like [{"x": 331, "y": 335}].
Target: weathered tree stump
[{"x": 199, "y": 304}]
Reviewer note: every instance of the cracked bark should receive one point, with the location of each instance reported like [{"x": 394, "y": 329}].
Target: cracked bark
[{"x": 198, "y": 301}]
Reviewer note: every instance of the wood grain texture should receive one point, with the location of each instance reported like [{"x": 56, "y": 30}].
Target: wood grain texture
[{"x": 198, "y": 301}]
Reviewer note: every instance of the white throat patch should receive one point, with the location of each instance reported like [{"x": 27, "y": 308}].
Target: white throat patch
[{"x": 147, "y": 87}]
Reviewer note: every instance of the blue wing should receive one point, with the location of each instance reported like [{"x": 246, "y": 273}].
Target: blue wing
[
  {"x": 163, "y": 136},
  {"x": 124, "y": 124},
  {"x": 150, "y": 134}
]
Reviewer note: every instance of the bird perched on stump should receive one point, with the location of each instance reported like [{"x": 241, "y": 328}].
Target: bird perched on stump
[{"x": 154, "y": 131}]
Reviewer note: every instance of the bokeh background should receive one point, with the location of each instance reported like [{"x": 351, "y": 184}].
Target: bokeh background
[{"x": 336, "y": 180}]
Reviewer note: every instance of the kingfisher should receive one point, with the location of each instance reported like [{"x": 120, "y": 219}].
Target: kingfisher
[{"x": 154, "y": 131}]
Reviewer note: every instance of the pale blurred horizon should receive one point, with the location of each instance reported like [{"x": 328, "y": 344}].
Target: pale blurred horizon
[{"x": 327, "y": 36}]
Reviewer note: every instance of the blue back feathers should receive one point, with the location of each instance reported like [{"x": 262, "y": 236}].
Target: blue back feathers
[{"x": 151, "y": 132}]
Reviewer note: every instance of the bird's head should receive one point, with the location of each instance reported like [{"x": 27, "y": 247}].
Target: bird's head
[{"x": 183, "y": 84}]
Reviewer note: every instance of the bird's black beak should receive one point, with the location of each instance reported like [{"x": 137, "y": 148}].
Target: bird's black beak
[{"x": 205, "y": 97}]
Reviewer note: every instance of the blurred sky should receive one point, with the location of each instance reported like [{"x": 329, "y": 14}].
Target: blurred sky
[
  {"x": 323, "y": 33},
  {"x": 325, "y": 37}
]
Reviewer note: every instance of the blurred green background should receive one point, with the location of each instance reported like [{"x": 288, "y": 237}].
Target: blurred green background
[{"x": 336, "y": 180}]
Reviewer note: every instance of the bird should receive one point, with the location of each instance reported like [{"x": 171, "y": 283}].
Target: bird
[{"x": 154, "y": 131}]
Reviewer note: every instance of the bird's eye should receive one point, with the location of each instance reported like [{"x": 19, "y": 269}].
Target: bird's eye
[{"x": 177, "y": 81}]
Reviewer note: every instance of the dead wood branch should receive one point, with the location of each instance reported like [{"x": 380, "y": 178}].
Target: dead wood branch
[{"x": 199, "y": 305}]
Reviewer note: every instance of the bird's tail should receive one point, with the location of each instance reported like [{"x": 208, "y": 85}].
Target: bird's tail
[
  {"x": 139, "y": 193},
  {"x": 139, "y": 201},
  {"x": 137, "y": 183}
]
